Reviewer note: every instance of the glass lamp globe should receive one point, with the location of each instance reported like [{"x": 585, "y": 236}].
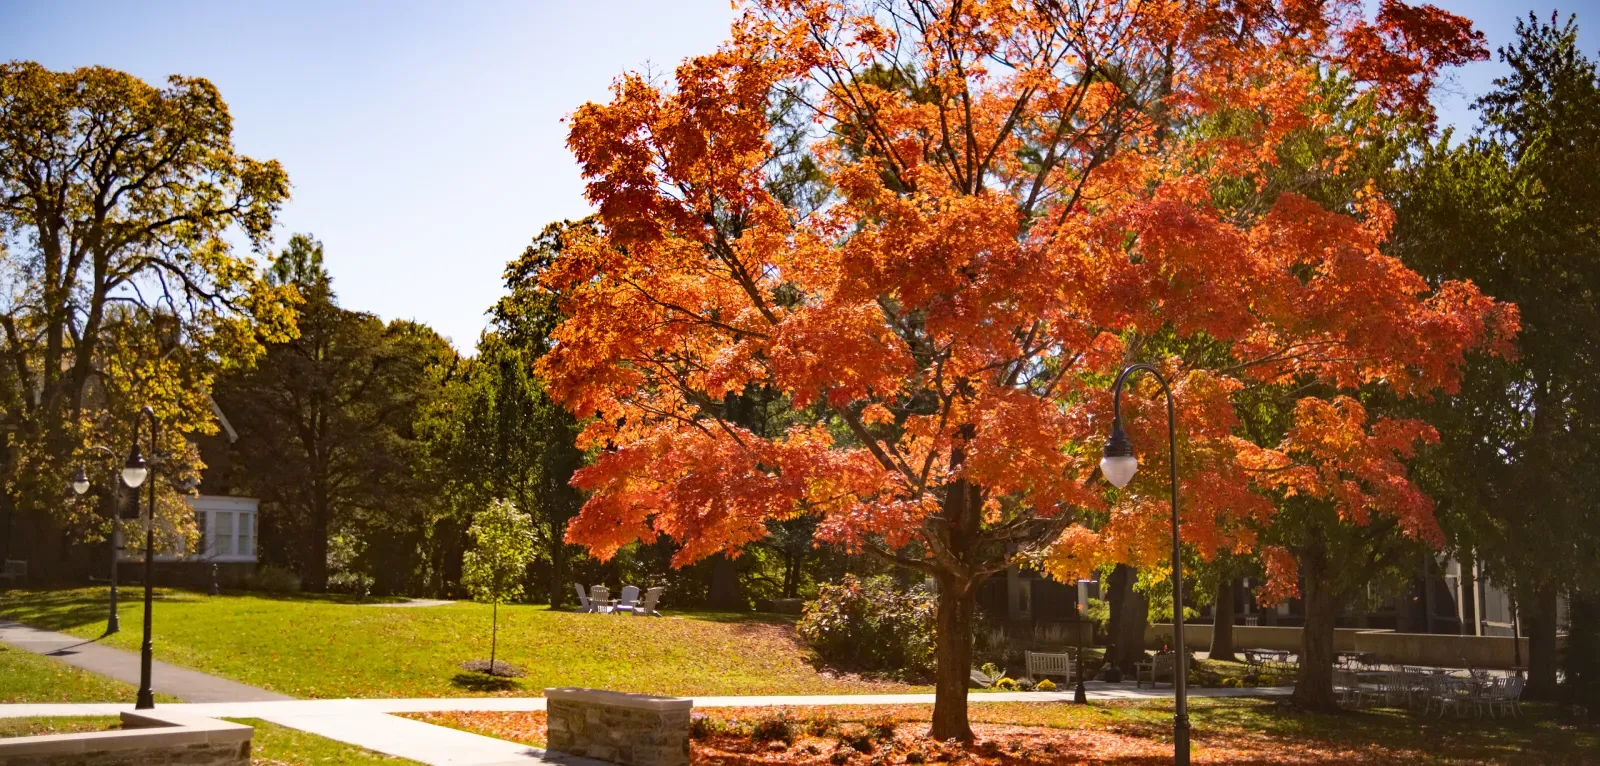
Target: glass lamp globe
[
  {"x": 1119, "y": 469},
  {"x": 135, "y": 470}
]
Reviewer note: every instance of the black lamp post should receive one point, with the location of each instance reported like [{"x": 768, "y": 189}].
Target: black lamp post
[
  {"x": 134, "y": 473},
  {"x": 1079, "y": 695},
  {"x": 80, "y": 485},
  {"x": 1119, "y": 465}
]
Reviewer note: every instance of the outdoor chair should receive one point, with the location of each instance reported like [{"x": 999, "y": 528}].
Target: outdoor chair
[
  {"x": 1449, "y": 692},
  {"x": 1347, "y": 686},
  {"x": 1154, "y": 669},
  {"x": 1041, "y": 664},
  {"x": 583, "y": 599},
  {"x": 647, "y": 606},
  {"x": 600, "y": 598},
  {"x": 630, "y": 596},
  {"x": 1504, "y": 695},
  {"x": 1389, "y": 688}
]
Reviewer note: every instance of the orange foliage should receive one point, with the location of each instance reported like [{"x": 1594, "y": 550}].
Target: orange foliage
[{"x": 1012, "y": 216}]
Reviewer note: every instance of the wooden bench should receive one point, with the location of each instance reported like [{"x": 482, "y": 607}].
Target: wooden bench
[{"x": 1041, "y": 664}]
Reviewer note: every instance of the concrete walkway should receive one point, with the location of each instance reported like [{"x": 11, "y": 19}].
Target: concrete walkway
[{"x": 187, "y": 685}]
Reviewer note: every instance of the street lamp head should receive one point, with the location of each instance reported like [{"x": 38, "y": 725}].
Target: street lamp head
[
  {"x": 1118, "y": 463},
  {"x": 135, "y": 470},
  {"x": 80, "y": 480}
]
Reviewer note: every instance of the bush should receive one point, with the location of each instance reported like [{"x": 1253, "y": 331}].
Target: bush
[
  {"x": 273, "y": 579},
  {"x": 871, "y": 625},
  {"x": 1024, "y": 684},
  {"x": 358, "y": 584},
  {"x": 1267, "y": 679},
  {"x": 1005, "y": 684},
  {"x": 777, "y": 728},
  {"x": 1046, "y": 685}
]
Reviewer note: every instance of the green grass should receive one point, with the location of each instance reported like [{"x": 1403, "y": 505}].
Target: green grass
[
  {"x": 319, "y": 647},
  {"x": 275, "y": 745},
  {"x": 32, "y": 727},
  {"x": 29, "y": 677}
]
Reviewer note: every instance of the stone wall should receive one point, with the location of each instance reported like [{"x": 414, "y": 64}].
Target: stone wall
[
  {"x": 630, "y": 729},
  {"x": 148, "y": 738}
]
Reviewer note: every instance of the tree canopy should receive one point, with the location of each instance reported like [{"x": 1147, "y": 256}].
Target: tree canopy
[{"x": 1014, "y": 200}]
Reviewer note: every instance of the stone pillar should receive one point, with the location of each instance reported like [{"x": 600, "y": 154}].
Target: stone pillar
[{"x": 630, "y": 729}]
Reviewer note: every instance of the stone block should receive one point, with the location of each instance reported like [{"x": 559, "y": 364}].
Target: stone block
[{"x": 628, "y": 729}]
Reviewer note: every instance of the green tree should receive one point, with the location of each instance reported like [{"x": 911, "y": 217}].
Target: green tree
[
  {"x": 114, "y": 198},
  {"x": 495, "y": 432},
  {"x": 494, "y": 570},
  {"x": 327, "y": 426},
  {"x": 1514, "y": 208}
]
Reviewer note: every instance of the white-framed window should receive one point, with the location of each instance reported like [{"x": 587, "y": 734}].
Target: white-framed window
[{"x": 227, "y": 527}]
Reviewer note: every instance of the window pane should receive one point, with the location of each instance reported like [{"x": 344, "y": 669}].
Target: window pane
[
  {"x": 247, "y": 534},
  {"x": 202, "y": 543},
  {"x": 224, "y": 538}
]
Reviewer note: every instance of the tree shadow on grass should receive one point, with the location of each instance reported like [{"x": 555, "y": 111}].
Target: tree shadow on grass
[{"x": 481, "y": 682}]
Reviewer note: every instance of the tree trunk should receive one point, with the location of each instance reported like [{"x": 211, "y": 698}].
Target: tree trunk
[
  {"x": 1129, "y": 622},
  {"x": 953, "y": 652},
  {"x": 1583, "y": 649},
  {"x": 724, "y": 592},
  {"x": 558, "y": 573},
  {"x": 1222, "y": 622},
  {"x": 494, "y": 635},
  {"x": 1313, "y": 687},
  {"x": 315, "y": 576},
  {"x": 1541, "y": 617}
]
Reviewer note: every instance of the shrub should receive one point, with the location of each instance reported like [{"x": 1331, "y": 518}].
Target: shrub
[
  {"x": 702, "y": 726},
  {"x": 1267, "y": 679},
  {"x": 1024, "y": 684},
  {"x": 1046, "y": 685},
  {"x": 855, "y": 738},
  {"x": 357, "y": 584},
  {"x": 1005, "y": 684},
  {"x": 822, "y": 725},
  {"x": 776, "y": 728},
  {"x": 273, "y": 579},
  {"x": 881, "y": 728},
  {"x": 871, "y": 625}
]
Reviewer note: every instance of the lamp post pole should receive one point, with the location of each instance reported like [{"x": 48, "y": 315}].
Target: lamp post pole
[
  {"x": 80, "y": 485},
  {"x": 134, "y": 473},
  {"x": 1119, "y": 465}
]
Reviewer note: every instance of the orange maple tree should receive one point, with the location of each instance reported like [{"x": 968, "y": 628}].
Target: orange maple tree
[{"x": 1013, "y": 199}]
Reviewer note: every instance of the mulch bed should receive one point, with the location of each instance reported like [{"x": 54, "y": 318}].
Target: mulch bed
[{"x": 898, "y": 736}]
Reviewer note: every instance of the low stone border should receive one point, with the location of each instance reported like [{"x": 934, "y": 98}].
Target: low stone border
[
  {"x": 630, "y": 729},
  {"x": 148, "y": 738}
]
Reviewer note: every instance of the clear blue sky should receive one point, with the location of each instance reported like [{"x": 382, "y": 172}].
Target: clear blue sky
[{"x": 424, "y": 140}]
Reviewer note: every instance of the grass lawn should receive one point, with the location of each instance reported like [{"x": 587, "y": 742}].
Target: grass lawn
[
  {"x": 1224, "y": 731},
  {"x": 275, "y": 745},
  {"x": 29, "y": 677},
  {"x": 33, "y": 727},
  {"x": 318, "y": 647}
]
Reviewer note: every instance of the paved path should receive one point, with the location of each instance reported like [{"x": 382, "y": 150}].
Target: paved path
[
  {"x": 412, "y": 603},
  {"x": 187, "y": 685}
]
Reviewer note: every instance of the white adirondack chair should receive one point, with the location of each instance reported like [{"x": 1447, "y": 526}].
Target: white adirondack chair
[
  {"x": 583, "y": 599},
  {"x": 630, "y": 596},
  {"x": 647, "y": 606},
  {"x": 600, "y": 598}
]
